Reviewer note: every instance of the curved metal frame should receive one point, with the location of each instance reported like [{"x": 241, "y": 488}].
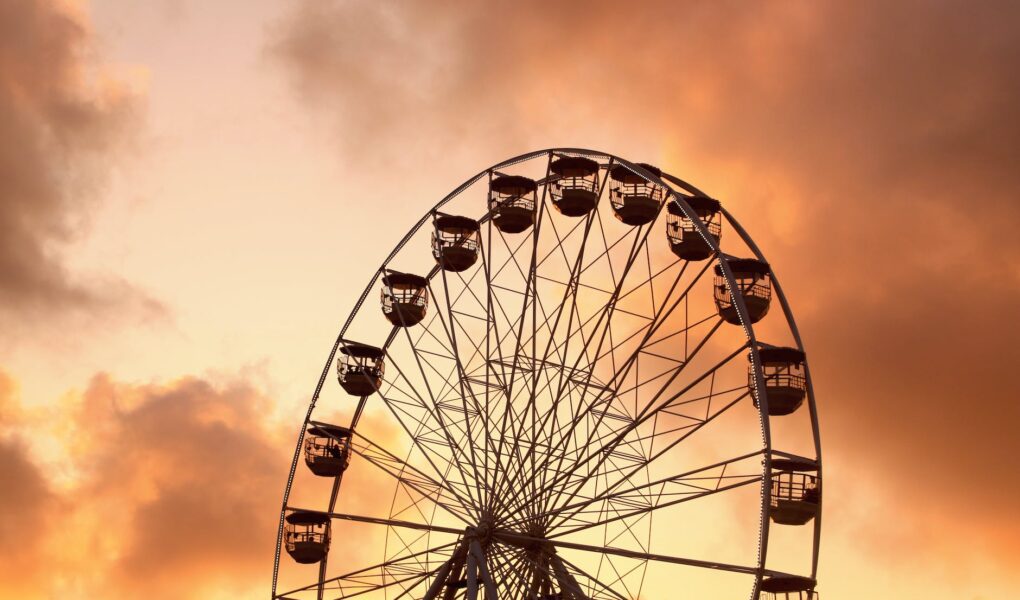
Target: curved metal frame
[{"x": 675, "y": 188}]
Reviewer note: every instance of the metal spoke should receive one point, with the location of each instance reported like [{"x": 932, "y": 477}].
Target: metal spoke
[
  {"x": 519, "y": 538},
  {"x": 682, "y": 479},
  {"x": 363, "y": 573}
]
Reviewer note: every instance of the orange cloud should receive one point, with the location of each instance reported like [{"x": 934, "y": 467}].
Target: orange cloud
[
  {"x": 158, "y": 491},
  {"x": 173, "y": 495},
  {"x": 185, "y": 476}
]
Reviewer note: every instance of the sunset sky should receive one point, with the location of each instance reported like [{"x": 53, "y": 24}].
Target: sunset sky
[{"x": 192, "y": 194}]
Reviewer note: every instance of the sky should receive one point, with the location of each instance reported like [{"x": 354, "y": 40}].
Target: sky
[{"x": 189, "y": 191}]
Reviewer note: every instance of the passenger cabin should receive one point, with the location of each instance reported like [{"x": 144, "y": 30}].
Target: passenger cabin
[
  {"x": 512, "y": 201},
  {"x": 788, "y": 587},
  {"x": 635, "y": 200},
  {"x": 796, "y": 491},
  {"x": 455, "y": 242},
  {"x": 754, "y": 284},
  {"x": 405, "y": 298},
  {"x": 684, "y": 238},
  {"x": 785, "y": 379},
  {"x": 306, "y": 536},
  {"x": 327, "y": 449},
  {"x": 359, "y": 369},
  {"x": 575, "y": 189}
]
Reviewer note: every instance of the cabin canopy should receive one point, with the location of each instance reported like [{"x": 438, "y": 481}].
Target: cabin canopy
[
  {"x": 780, "y": 586},
  {"x": 358, "y": 350},
  {"x": 624, "y": 174},
  {"x": 574, "y": 166},
  {"x": 513, "y": 185},
  {"x": 455, "y": 223},
  {"x": 396, "y": 280}
]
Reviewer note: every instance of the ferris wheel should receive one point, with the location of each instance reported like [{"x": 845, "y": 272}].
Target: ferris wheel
[{"x": 581, "y": 381}]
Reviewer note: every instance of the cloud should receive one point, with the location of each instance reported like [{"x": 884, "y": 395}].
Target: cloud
[
  {"x": 181, "y": 482},
  {"x": 870, "y": 148},
  {"x": 161, "y": 490},
  {"x": 172, "y": 493},
  {"x": 64, "y": 121}
]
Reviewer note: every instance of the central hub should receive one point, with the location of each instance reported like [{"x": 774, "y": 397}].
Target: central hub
[{"x": 482, "y": 531}]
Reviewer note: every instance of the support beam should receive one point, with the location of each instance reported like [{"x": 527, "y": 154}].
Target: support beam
[
  {"x": 567, "y": 583},
  {"x": 490, "y": 585},
  {"x": 455, "y": 573},
  {"x": 441, "y": 578},
  {"x": 472, "y": 577}
]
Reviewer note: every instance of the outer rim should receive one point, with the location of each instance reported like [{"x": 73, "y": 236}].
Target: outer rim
[{"x": 679, "y": 190}]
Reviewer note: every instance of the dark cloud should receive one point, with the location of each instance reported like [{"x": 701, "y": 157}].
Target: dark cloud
[
  {"x": 869, "y": 147},
  {"x": 63, "y": 122}
]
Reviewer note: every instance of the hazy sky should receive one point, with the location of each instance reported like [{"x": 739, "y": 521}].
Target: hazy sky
[{"x": 189, "y": 192}]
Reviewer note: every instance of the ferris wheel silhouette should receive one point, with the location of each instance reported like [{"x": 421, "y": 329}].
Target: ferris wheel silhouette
[{"x": 584, "y": 407}]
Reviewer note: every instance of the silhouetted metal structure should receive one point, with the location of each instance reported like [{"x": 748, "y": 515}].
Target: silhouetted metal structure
[{"x": 536, "y": 400}]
